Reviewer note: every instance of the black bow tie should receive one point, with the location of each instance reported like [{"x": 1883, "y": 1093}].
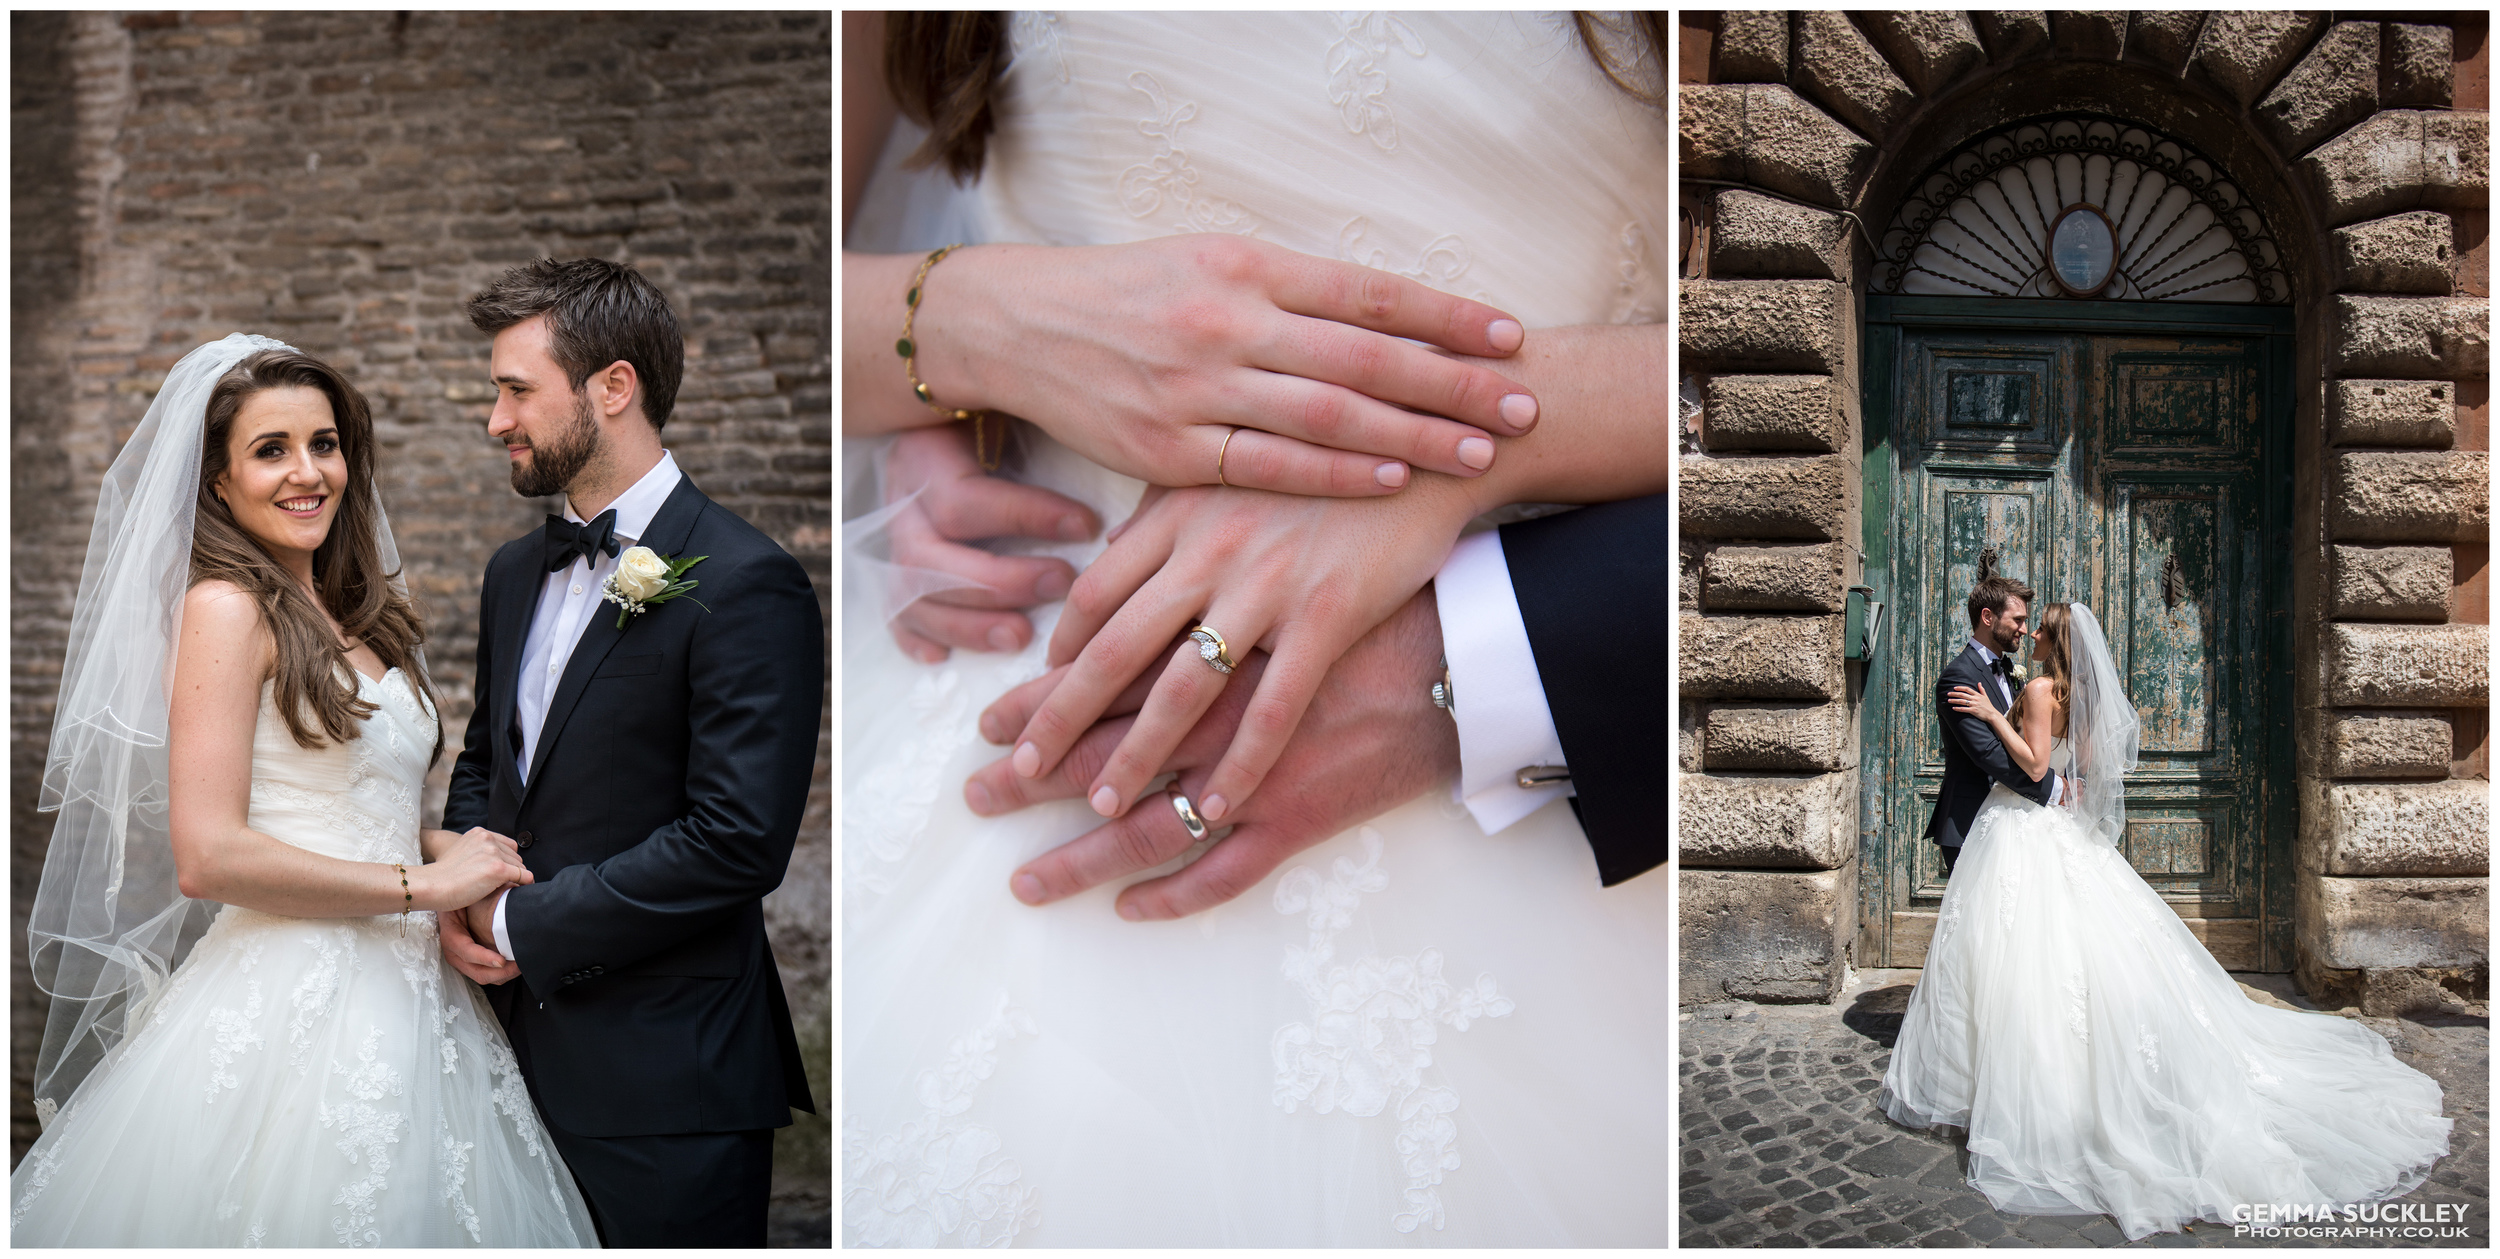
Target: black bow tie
[
  {"x": 566, "y": 539},
  {"x": 2002, "y": 667}
]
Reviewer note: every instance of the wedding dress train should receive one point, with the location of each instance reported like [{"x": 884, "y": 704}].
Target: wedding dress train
[
  {"x": 309, "y": 1081},
  {"x": 2102, "y": 1062},
  {"x": 1412, "y": 1033}
]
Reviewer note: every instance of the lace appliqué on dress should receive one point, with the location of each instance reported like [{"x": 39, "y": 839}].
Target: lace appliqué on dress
[
  {"x": 235, "y": 1036},
  {"x": 1373, "y": 1025},
  {"x": 938, "y": 1178},
  {"x": 884, "y": 815},
  {"x": 366, "y": 1131},
  {"x": 1440, "y": 263},
  {"x": 1030, "y": 32},
  {"x": 1169, "y": 175},
  {"x": 1633, "y": 292},
  {"x": 1358, "y": 74}
]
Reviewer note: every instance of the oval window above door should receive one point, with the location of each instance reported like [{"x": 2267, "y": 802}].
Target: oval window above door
[{"x": 2083, "y": 251}]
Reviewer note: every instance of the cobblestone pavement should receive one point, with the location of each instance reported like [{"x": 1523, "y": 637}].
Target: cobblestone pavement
[{"x": 1783, "y": 1144}]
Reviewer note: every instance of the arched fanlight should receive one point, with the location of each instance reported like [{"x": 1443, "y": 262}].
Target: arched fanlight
[{"x": 2081, "y": 206}]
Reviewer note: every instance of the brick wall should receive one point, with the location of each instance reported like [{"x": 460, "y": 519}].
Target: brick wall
[{"x": 343, "y": 181}]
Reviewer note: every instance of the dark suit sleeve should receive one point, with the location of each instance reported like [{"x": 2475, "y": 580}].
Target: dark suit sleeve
[
  {"x": 473, "y": 772},
  {"x": 1595, "y": 593},
  {"x": 755, "y": 672},
  {"x": 1981, "y": 742}
]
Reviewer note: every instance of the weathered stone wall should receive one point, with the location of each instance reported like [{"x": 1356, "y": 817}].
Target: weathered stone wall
[
  {"x": 343, "y": 181},
  {"x": 2364, "y": 144}
]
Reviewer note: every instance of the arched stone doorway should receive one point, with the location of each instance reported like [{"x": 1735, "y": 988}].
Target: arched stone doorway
[{"x": 1802, "y": 135}]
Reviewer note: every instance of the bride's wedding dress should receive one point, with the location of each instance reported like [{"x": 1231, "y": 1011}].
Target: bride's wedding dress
[
  {"x": 2102, "y": 1062},
  {"x": 1410, "y": 1033},
  {"x": 309, "y": 1081}
]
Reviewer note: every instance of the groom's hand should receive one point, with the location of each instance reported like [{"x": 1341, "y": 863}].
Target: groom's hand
[
  {"x": 1371, "y": 740},
  {"x": 468, "y": 942},
  {"x": 959, "y": 505}
]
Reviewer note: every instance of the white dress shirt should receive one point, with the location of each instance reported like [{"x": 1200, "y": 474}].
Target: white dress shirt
[
  {"x": 2004, "y": 689},
  {"x": 566, "y": 602},
  {"x": 1497, "y": 697}
]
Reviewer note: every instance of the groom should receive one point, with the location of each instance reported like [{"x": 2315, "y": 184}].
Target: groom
[
  {"x": 652, "y": 773},
  {"x": 2000, "y": 611}
]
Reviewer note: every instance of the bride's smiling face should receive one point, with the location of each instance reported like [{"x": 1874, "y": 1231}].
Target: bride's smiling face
[{"x": 284, "y": 470}]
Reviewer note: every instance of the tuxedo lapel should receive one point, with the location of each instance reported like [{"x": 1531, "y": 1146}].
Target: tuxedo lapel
[
  {"x": 666, "y": 536},
  {"x": 516, "y": 601}
]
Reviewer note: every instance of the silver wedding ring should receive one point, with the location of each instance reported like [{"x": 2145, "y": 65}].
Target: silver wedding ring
[{"x": 1189, "y": 817}]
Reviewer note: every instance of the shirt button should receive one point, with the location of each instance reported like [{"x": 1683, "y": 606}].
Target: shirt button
[{"x": 577, "y": 590}]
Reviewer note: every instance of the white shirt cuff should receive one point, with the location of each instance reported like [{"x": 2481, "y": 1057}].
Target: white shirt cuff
[
  {"x": 1497, "y": 697},
  {"x": 503, "y": 943}
]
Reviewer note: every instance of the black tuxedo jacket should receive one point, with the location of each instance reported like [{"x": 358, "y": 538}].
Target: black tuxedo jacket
[
  {"x": 660, "y": 807},
  {"x": 1973, "y": 755},
  {"x": 1596, "y": 595}
]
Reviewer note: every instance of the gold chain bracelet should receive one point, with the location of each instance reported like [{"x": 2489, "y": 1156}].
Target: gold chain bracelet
[
  {"x": 910, "y": 350},
  {"x": 406, "y": 898}
]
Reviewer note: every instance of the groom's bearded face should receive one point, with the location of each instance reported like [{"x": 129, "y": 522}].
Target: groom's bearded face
[
  {"x": 557, "y": 456},
  {"x": 2002, "y": 635}
]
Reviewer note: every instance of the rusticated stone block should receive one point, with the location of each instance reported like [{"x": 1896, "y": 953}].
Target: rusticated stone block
[
  {"x": 1791, "y": 147},
  {"x": 1775, "y": 578},
  {"x": 1836, "y": 67},
  {"x": 1691, "y": 554},
  {"x": 2430, "y": 829},
  {"x": 1763, "y": 325},
  {"x": 2393, "y": 583},
  {"x": 1789, "y": 738},
  {"x": 1812, "y": 498},
  {"x": 2456, "y": 159},
  {"x": 2393, "y": 413},
  {"x": 2402, "y": 159},
  {"x": 2010, "y": 34},
  {"x": 1710, "y": 130},
  {"x": 2411, "y": 496},
  {"x": 2355, "y": 924},
  {"x": 2422, "y": 338},
  {"x": 1773, "y": 823},
  {"x": 2334, "y": 86},
  {"x": 1752, "y": 47},
  {"x": 2402, "y": 253},
  {"x": 1759, "y": 657},
  {"x": 1688, "y": 719},
  {"x": 2408, "y": 666},
  {"x": 1776, "y": 937},
  {"x": 2244, "y": 51},
  {"x": 1755, "y": 235},
  {"x": 2418, "y": 66},
  {"x": 1776, "y": 413},
  {"x": 2088, "y": 34},
  {"x": 2367, "y": 744},
  {"x": 1930, "y": 47},
  {"x": 2164, "y": 37}
]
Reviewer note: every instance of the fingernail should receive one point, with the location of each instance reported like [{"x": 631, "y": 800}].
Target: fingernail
[
  {"x": 1212, "y": 808},
  {"x": 1392, "y": 475},
  {"x": 1072, "y": 529},
  {"x": 1027, "y": 888},
  {"x": 978, "y": 797},
  {"x": 1505, "y": 334},
  {"x": 1028, "y": 759},
  {"x": 1131, "y": 912},
  {"x": 1518, "y": 411},
  {"x": 1476, "y": 452},
  {"x": 1002, "y": 638},
  {"x": 1106, "y": 801},
  {"x": 1052, "y": 585}
]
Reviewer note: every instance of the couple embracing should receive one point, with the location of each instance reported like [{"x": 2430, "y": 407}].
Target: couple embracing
[
  {"x": 246, "y": 721},
  {"x": 2098, "y": 1058}
]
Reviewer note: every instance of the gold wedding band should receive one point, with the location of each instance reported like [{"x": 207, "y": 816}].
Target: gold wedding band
[
  {"x": 1211, "y": 649},
  {"x": 1220, "y": 452},
  {"x": 1189, "y": 817}
]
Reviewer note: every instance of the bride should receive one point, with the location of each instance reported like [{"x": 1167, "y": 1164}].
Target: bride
[
  {"x": 245, "y": 718},
  {"x": 2098, "y": 1057},
  {"x": 1413, "y": 1031}
]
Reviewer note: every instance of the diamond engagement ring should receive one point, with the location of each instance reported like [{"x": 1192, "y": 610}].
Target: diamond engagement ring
[
  {"x": 1189, "y": 816},
  {"x": 1211, "y": 648}
]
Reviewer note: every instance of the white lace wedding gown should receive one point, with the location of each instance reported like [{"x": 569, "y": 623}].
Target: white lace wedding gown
[
  {"x": 1411, "y": 1033},
  {"x": 309, "y": 1081},
  {"x": 2102, "y": 1062}
]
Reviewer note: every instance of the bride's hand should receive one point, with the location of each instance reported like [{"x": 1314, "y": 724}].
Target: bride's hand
[
  {"x": 1964, "y": 699},
  {"x": 1301, "y": 578},
  {"x": 469, "y": 869},
  {"x": 958, "y": 504},
  {"x": 1146, "y": 357}
]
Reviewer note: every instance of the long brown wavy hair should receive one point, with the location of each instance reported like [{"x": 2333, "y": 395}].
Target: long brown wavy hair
[
  {"x": 347, "y": 566},
  {"x": 940, "y": 66},
  {"x": 2048, "y": 646}
]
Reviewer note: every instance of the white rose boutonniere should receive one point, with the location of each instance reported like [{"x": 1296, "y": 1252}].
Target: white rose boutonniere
[{"x": 644, "y": 578}]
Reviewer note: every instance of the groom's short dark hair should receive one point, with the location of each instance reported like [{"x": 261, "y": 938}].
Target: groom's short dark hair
[
  {"x": 1990, "y": 596},
  {"x": 597, "y": 313}
]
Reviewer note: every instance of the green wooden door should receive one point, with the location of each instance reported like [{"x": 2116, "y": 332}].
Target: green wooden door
[{"x": 2132, "y": 456}]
